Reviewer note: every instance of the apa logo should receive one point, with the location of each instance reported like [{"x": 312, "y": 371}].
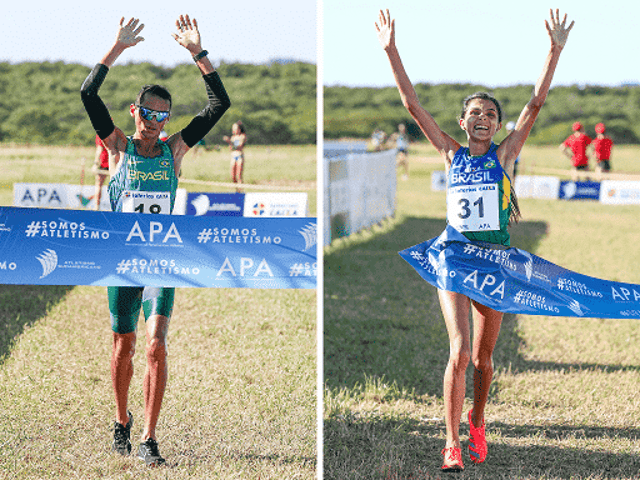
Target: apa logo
[
  {"x": 43, "y": 196},
  {"x": 49, "y": 261},
  {"x": 246, "y": 265},
  {"x": 155, "y": 229},
  {"x": 488, "y": 281},
  {"x": 624, "y": 294},
  {"x": 258, "y": 209}
]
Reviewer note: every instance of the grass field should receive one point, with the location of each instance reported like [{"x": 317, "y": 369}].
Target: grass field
[
  {"x": 292, "y": 167},
  {"x": 565, "y": 401},
  {"x": 241, "y": 397}
]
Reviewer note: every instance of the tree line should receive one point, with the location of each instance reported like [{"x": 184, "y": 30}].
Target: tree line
[
  {"x": 40, "y": 102},
  {"x": 356, "y": 112}
]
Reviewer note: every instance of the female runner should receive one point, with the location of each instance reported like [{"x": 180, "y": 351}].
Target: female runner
[
  {"x": 483, "y": 217},
  {"x": 236, "y": 143}
]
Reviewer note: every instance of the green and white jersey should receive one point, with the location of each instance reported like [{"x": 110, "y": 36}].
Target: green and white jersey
[{"x": 142, "y": 184}]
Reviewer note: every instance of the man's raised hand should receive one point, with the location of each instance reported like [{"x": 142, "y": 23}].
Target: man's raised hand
[{"x": 128, "y": 33}]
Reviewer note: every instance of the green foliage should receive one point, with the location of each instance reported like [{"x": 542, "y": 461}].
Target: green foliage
[
  {"x": 40, "y": 102},
  {"x": 356, "y": 112}
]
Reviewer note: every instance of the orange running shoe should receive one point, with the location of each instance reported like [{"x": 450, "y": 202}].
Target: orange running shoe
[
  {"x": 477, "y": 442},
  {"x": 452, "y": 460}
]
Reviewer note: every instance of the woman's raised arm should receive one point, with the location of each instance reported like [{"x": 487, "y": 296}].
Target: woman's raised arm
[
  {"x": 439, "y": 139},
  {"x": 511, "y": 146}
]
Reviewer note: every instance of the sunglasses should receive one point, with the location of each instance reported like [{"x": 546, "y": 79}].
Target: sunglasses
[{"x": 148, "y": 114}]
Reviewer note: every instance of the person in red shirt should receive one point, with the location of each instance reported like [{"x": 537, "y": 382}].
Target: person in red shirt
[
  {"x": 100, "y": 169},
  {"x": 575, "y": 147},
  {"x": 602, "y": 146}
]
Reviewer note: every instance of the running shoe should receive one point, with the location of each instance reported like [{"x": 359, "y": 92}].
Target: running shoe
[
  {"x": 150, "y": 454},
  {"x": 121, "y": 436},
  {"x": 452, "y": 460},
  {"x": 477, "y": 442}
]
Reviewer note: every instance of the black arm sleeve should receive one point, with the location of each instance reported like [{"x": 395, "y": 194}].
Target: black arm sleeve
[
  {"x": 93, "y": 104},
  {"x": 203, "y": 122}
]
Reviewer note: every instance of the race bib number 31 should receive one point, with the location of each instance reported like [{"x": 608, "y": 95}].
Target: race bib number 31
[
  {"x": 146, "y": 202},
  {"x": 473, "y": 208}
]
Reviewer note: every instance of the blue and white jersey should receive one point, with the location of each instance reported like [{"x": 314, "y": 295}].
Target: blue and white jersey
[{"x": 479, "y": 196}]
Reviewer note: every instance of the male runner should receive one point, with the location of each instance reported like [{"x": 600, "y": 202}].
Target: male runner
[{"x": 131, "y": 160}]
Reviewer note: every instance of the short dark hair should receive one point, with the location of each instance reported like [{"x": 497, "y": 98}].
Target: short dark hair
[
  {"x": 156, "y": 90},
  {"x": 481, "y": 96}
]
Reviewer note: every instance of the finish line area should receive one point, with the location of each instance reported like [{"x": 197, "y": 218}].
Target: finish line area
[{"x": 71, "y": 247}]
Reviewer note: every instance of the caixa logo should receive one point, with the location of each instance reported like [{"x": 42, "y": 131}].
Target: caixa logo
[
  {"x": 154, "y": 234},
  {"x": 8, "y": 266}
]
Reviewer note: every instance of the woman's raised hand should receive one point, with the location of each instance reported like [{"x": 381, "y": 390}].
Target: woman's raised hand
[
  {"x": 386, "y": 30},
  {"x": 558, "y": 31}
]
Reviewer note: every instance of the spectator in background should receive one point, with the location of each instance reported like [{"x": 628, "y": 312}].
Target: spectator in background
[
  {"x": 100, "y": 170},
  {"x": 236, "y": 142},
  {"x": 602, "y": 146},
  {"x": 401, "y": 139},
  {"x": 575, "y": 147},
  {"x": 378, "y": 138}
]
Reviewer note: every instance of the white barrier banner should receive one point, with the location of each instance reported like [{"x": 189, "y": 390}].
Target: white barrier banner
[
  {"x": 359, "y": 191},
  {"x": 617, "y": 192},
  {"x": 72, "y": 197},
  {"x": 535, "y": 186},
  {"x": 270, "y": 205}
]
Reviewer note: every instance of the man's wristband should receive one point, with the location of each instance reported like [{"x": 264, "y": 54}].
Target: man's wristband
[{"x": 197, "y": 57}]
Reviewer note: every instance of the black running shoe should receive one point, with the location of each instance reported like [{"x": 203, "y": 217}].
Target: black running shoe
[
  {"x": 121, "y": 435},
  {"x": 150, "y": 454}
]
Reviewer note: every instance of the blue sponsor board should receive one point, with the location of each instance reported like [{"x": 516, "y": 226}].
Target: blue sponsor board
[
  {"x": 69, "y": 247},
  {"x": 215, "y": 204},
  {"x": 579, "y": 190},
  {"x": 511, "y": 280}
]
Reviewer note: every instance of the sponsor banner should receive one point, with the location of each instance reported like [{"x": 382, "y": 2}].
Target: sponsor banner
[
  {"x": 535, "y": 186},
  {"x": 69, "y": 247},
  {"x": 511, "y": 280},
  {"x": 617, "y": 192},
  {"x": 579, "y": 190},
  {"x": 72, "y": 197},
  {"x": 215, "y": 204},
  {"x": 58, "y": 195},
  {"x": 268, "y": 205}
]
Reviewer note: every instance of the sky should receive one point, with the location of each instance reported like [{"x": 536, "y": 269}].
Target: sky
[
  {"x": 491, "y": 42},
  {"x": 248, "y": 31}
]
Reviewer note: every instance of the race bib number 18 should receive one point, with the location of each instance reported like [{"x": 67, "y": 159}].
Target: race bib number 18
[
  {"x": 474, "y": 208},
  {"x": 147, "y": 202}
]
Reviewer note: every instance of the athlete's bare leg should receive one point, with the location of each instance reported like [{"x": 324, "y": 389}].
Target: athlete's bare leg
[
  {"x": 124, "y": 347},
  {"x": 455, "y": 308},
  {"x": 486, "y": 328},
  {"x": 155, "y": 377}
]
